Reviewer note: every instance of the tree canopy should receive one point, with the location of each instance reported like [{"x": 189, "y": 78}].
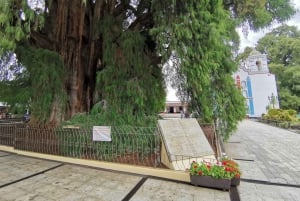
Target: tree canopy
[
  {"x": 106, "y": 57},
  {"x": 260, "y": 13}
]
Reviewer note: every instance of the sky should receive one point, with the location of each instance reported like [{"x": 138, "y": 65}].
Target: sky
[{"x": 251, "y": 40}]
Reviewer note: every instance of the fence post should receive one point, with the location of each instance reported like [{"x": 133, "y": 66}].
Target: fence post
[{"x": 14, "y": 135}]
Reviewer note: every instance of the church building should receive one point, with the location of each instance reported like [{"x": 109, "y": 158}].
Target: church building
[{"x": 257, "y": 84}]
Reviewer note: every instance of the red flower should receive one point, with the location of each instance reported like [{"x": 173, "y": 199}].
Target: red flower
[
  {"x": 228, "y": 169},
  {"x": 200, "y": 173}
]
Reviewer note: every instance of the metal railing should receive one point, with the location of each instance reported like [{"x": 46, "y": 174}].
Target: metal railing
[
  {"x": 8, "y": 133},
  {"x": 129, "y": 145}
]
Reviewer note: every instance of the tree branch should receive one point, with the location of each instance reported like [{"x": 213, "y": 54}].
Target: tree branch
[
  {"x": 41, "y": 40},
  {"x": 146, "y": 19}
]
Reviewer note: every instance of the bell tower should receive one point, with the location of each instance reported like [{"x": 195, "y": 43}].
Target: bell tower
[{"x": 256, "y": 63}]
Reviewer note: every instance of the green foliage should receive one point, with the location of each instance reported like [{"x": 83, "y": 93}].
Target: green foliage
[
  {"x": 281, "y": 115},
  {"x": 219, "y": 170},
  {"x": 288, "y": 100},
  {"x": 281, "y": 49},
  {"x": 139, "y": 142},
  {"x": 244, "y": 55},
  {"x": 14, "y": 84},
  {"x": 205, "y": 65},
  {"x": 291, "y": 79},
  {"x": 16, "y": 21},
  {"x": 131, "y": 86},
  {"x": 100, "y": 116},
  {"x": 43, "y": 80},
  {"x": 126, "y": 43},
  {"x": 259, "y": 14}
]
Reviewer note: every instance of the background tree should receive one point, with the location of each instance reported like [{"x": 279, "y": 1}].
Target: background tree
[
  {"x": 204, "y": 50},
  {"x": 109, "y": 54},
  {"x": 10, "y": 71},
  {"x": 204, "y": 67},
  {"x": 258, "y": 14}
]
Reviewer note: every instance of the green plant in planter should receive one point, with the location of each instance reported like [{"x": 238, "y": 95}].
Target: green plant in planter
[
  {"x": 204, "y": 168},
  {"x": 225, "y": 168},
  {"x": 220, "y": 174},
  {"x": 231, "y": 167}
]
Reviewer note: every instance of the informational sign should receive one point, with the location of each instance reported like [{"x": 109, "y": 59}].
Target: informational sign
[
  {"x": 102, "y": 133},
  {"x": 184, "y": 138}
]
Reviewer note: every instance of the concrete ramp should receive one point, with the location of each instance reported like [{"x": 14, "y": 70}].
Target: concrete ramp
[{"x": 182, "y": 142}]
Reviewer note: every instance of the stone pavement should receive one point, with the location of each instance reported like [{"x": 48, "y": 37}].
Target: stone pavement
[
  {"x": 268, "y": 156},
  {"x": 269, "y": 160},
  {"x": 25, "y": 178}
]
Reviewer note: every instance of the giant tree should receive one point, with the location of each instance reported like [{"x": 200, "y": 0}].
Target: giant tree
[
  {"x": 82, "y": 53},
  {"x": 69, "y": 46}
]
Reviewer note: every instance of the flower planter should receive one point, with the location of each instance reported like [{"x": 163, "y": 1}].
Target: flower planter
[
  {"x": 210, "y": 182},
  {"x": 235, "y": 181}
]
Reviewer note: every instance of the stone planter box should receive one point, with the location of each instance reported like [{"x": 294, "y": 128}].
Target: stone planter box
[{"x": 210, "y": 182}]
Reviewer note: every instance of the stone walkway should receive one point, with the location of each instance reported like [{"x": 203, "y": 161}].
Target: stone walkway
[
  {"x": 270, "y": 160},
  {"x": 30, "y": 179},
  {"x": 268, "y": 156}
]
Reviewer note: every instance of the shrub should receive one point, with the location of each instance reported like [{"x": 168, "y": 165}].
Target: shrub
[{"x": 281, "y": 115}]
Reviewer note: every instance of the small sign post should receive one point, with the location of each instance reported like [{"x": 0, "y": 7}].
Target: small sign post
[{"x": 102, "y": 133}]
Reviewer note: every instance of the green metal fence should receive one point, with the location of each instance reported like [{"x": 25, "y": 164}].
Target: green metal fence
[
  {"x": 130, "y": 145},
  {"x": 8, "y": 133}
]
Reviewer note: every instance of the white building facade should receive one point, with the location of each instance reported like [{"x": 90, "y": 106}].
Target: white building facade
[{"x": 257, "y": 84}]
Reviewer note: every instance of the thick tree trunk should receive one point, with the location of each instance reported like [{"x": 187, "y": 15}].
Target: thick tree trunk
[
  {"x": 72, "y": 37},
  {"x": 75, "y": 31},
  {"x": 68, "y": 34}
]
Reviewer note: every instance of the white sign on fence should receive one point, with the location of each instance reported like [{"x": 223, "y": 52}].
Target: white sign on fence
[{"x": 101, "y": 133}]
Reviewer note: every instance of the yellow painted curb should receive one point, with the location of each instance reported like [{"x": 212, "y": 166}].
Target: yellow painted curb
[{"x": 156, "y": 172}]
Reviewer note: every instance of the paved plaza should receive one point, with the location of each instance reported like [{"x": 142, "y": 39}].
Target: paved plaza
[
  {"x": 268, "y": 157},
  {"x": 270, "y": 161},
  {"x": 26, "y": 178}
]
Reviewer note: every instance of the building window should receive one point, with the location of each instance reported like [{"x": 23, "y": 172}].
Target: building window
[
  {"x": 180, "y": 108},
  {"x": 258, "y": 64}
]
